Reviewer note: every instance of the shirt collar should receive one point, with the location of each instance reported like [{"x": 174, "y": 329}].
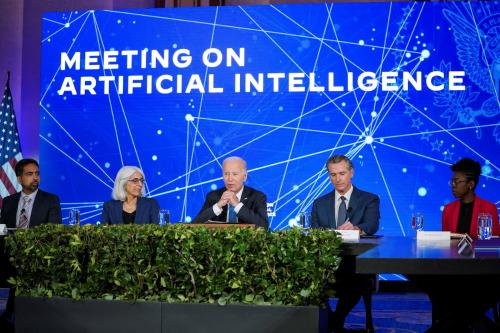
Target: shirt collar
[
  {"x": 347, "y": 195},
  {"x": 31, "y": 196}
]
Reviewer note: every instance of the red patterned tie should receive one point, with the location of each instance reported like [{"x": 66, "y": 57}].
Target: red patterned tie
[{"x": 23, "y": 218}]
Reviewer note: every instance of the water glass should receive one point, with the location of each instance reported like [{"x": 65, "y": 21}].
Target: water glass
[
  {"x": 484, "y": 226},
  {"x": 74, "y": 216},
  {"x": 164, "y": 216},
  {"x": 304, "y": 220},
  {"x": 417, "y": 221}
]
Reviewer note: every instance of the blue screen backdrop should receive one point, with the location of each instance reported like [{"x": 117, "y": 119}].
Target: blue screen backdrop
[{"x": 402, "y": 143}]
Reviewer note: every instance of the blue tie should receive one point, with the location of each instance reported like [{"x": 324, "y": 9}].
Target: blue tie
[
  {"x": 231, "y": 215},
  {"x": 342, "y": 212}
]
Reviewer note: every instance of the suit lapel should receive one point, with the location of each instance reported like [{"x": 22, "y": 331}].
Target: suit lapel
[
  {"x": 139, "y": 219},
  {"x": 35, "y": 210},
  {"x": 245, "y": 195},
  {"x": 331, "y": 217}
]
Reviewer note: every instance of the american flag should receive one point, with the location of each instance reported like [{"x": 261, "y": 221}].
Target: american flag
[{"x": 10, "y": 149}]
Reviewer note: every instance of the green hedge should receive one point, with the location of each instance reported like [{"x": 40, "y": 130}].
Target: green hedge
[{"x": 177, "y": 263}]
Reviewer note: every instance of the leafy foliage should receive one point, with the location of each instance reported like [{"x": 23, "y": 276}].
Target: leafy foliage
[{"x": 177, "y": 263}]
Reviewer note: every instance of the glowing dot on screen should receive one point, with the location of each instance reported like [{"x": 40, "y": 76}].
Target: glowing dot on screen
[
  {"x": 425, "y": 54},
  {"x": 292, "y": 223},
  {"x": 295, "y": 187},
  {"x": 382, "y": 140},
  {"x": 158, "y": 173},
  {"x": 177, "y": 188},
  {"x": 438, "y": 27},
  {"x": 297, "y": 201},
  {"x": 424, "y": 45},
  {"x": 415, "y": 48},
  {"x": 194, "y": 190},
  {"x": 174, "y": 45},
  {"x": 107, "y": 165},
  {"x": 80, "y": 155},
  {"x": 369, "y": 140},
  {"x": 404, "y": 170},
  {"x": 118, "y": 21},
  {"x": 178, "y": 197},
  {"x": 217, "y": 141},
  {"x": 96, "y": 206},
  {"x": 66, "y": 25},
  {"x": 376, "y": 99},
  {"x": 408, "y": 55},
  {"x": 343, "y": 104},
  {"x": 422, "y": 34},
  {"x": 373, "y": 114},
  {"x": 48, "y": 40},
  {"x": 361, "y": 42},
  {"x": 373, "y": 29},
  {"x": 49, "y": 134},
  {"x": 441, "y": 208},
  {"x": 422, "y": 191},
  {"x": 189, "y": 117},
  {"x": 280, "y": 108},
  {"x": 254, "y": 93},
  {"x": 198, "y": 143},
  {"x": 133, "y": 22},
  {"x": 213, "y": 187},
  {"x": 47, "y": 105},
  {"x": 327, "y": 119},
  {"x": 158, "y": 132},
  {"x": 154, "y": 157},
  {"x": 188, "y": 218}
]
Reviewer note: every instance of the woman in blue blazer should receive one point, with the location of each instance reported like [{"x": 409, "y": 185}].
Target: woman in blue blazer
[{"x": 129, "y": 204}]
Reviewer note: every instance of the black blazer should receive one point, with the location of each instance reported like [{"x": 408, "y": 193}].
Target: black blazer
[
  {"x": 147, "y": 212},
  {"x": 254, "y": 210},
  {"x": 363, "y": 211},
  {"x": 46, "y": 209}
]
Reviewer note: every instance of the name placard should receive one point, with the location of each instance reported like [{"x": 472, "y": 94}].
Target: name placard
[
  {"x": 349, "y": 235},
  {"x": 434, "y": 235}
]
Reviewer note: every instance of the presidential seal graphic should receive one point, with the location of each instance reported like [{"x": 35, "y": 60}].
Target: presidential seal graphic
[{"x": 477, "y": 37}]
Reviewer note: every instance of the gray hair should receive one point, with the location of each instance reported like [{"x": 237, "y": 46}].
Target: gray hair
[
  {"x": 234, "y": 159},
  {"x": 339, "y": 158},
  {"x": 121, "y": 180}
]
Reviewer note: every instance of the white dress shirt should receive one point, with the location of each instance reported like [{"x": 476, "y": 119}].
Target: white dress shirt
[{"x": 338, "y": 201}]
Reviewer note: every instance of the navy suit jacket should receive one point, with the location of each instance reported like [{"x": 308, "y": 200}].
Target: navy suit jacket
[
  {"x": 253, "y": 211},
  {"x": 46, "y": 209},
  {"x": 147, "y": 211},
  {"x": 363, "y": 211}
]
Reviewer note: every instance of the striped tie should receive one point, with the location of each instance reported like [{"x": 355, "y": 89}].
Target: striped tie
[{"x": 23, "y": 218}]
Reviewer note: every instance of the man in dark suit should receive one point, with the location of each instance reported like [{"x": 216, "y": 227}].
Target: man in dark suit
[
  {"x": 31, "y": 206},
  {"x": 346, "y": 208},
  {"x": 234, "y": 203}
]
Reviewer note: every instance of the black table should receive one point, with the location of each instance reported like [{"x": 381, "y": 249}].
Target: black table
[
  {"x": 448, "y": 277},
  {"x": 406, "y": 255}
]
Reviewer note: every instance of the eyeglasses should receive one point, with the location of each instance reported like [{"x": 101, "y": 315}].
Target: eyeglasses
[
  {"x": 455, "y": 182},
  {"x": 136, "y": 181}
]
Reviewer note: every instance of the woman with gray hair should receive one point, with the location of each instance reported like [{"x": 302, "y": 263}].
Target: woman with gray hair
[{"x": 129, "y": 205}]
